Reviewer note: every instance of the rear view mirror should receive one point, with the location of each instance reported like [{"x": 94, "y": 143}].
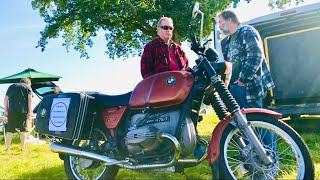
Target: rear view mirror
[{"x": 195, "y": 12}]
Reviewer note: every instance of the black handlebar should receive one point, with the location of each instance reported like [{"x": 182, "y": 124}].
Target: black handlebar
[
  {"x": 210, "y": 54},
  {"x": 195, "y": 46},
  {"x": 193, "y": 37}
]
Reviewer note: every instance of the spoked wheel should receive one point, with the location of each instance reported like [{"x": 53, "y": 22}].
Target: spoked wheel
[
  {"x": 290, "y": 155},
  {"x": 82, "y": 168}
]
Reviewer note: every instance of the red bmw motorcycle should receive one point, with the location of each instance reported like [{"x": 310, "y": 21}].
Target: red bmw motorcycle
[{"x": 153, "y": 129}]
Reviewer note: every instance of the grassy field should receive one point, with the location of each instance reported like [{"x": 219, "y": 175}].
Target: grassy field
[{"x": 38, "y": 162}]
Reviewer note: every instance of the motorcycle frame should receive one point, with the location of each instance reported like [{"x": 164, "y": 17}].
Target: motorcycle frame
[
  {"x": 197, "y": 94},
  {"x": 204, "y": 75},
  {"x": 186, "y": 109}
]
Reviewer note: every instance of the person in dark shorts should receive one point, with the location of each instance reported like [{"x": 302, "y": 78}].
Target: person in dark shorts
[{"x": 17, "y": 105}]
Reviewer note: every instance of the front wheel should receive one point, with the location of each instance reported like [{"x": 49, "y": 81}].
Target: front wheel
[{"x": 290, "y": 155}]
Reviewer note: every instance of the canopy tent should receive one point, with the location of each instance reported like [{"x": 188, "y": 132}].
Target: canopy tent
[{"x": 34, "y": 75}]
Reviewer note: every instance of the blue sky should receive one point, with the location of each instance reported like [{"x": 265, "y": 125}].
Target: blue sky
[{"x": 20, "y": 31}]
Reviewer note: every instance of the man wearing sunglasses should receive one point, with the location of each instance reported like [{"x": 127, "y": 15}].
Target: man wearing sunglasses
[{"x": 162, "y": 54}]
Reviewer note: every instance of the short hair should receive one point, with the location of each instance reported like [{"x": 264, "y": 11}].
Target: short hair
[
  {"x": 56, "y": 86},
  {"x": 229, "y": 14},
  {"x": 25, "y": 81},
  {"x": 164, "y": 18}
]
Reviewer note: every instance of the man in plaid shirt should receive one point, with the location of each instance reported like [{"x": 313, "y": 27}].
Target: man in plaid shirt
[
  {"x": 162, "y": 54},
  {"x": 251, "y": 78}
]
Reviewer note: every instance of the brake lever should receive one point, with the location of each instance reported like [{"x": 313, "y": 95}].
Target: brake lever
[{"x": 207, "y": 42}]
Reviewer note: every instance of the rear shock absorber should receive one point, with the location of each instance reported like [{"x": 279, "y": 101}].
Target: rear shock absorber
[{"x": 225, "y": 95}]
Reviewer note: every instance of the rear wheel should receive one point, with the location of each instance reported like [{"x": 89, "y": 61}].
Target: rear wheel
[
  {"x": 290, "y": 155},
  {"x": 82, "y": 168}
]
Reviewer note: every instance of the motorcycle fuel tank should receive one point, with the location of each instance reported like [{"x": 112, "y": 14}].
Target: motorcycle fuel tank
[{"x": 162, "y": 90}]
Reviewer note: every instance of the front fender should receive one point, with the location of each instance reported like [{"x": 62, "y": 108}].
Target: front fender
[
  {"x": 261, "y": 111},
  {"x": 214, "y": 145}
]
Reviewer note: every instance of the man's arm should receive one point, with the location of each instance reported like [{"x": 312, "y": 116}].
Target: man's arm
[
  {"x": 147, "y": 60},
  {"x": 228, "y": 73},
  {"x": 6, "y": 105},
  {"x": 185, "y": 62},
  {"x": 254, "y": 57},
  {"x": 29, "y": 105}
]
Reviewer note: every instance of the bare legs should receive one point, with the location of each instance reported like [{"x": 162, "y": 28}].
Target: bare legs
[
  {"x": 23, "y": 136},
  {"x": 8, "y": 138}
]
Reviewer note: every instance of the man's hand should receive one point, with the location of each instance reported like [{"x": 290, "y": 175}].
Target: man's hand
[
  {"x": 29, "y": 114},
  {"x": 5, "y": 114},
  {"x": 240, "y": 83}
]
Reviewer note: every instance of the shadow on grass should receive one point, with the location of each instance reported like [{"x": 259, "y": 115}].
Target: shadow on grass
[
  {"x": 56, "y": 172},
  {"x": 200, "y": 172}
]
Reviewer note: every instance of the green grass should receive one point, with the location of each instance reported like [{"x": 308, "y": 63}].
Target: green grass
[{"x": 38, "y": 162}]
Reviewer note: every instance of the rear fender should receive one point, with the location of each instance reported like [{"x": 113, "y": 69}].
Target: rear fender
[{"x": 214, "y": 145}]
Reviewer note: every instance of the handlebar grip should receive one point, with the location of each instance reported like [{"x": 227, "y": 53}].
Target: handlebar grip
[{"x": 193, "y": 37}]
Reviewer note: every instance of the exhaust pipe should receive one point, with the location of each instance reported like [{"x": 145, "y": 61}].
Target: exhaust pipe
[{"x": 69, "y": 150}]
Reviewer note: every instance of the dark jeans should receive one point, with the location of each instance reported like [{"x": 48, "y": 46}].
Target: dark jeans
[{"x": 239, "y": 94}]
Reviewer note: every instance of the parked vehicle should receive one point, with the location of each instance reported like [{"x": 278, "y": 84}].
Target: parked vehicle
[
  {"x": 42, "y": 89},
  {"x": 153, "y": 129},
  {"x": 291, "y": 46}
]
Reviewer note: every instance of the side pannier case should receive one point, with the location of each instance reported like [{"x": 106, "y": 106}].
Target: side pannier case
[{"x": 65, "y": 115}]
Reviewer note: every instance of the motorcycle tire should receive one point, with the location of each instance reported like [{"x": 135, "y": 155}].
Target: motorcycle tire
[
  {"x": 82, "y": 168},
  {"x": 291, "y": 157}
]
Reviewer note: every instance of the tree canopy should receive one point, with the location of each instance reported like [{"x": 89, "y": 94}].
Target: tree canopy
[{"x": 127, "y": 24}]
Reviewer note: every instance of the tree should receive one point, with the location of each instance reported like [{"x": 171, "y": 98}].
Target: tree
[{"x": 127, "y": 24}]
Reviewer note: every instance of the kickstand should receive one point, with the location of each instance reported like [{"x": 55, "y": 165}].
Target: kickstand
[
  {"x": 185, "y": 175},
  {"x": 180, "y": 169}
]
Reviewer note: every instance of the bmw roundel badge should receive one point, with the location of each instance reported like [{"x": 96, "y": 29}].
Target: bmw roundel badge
[
  {"x": 43, "y": 112},
  {"x": 171, "y": 80}
]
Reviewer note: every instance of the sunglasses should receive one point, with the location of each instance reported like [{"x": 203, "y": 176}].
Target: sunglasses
[{"x": 167, "y": 27}]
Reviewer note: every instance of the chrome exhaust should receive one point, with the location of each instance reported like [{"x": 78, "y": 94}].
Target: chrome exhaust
[
  {"x": 69, "y": 150},
  {"x": 74, "y": 151}
]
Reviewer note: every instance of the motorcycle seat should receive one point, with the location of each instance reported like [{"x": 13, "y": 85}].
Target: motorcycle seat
[{"x": 112, "y": 100}]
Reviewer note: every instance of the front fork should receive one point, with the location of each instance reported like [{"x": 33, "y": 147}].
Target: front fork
[
  {"x": 244, "y": 126},
  {"x": 222, "y": 101}
]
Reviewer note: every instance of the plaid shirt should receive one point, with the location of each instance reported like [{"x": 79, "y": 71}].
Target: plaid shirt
[
  {"x": 248, "y": 48},
  {"x": 156, "y": 58}
]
